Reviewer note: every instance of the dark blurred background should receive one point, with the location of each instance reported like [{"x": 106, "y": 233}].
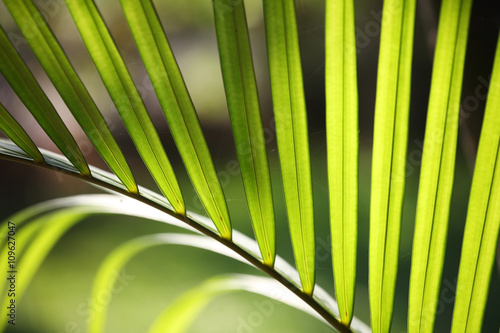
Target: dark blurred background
[{"x": 159, "y": 275}]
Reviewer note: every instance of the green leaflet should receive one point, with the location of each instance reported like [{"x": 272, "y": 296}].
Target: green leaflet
[
  {"x": 391, "y": 126},
  {"x": 438, "y": 165},
  {"x": 178, "y": 108},
  {"x": 182, "y": 313},
  {"x": 72, "y": 90},
  {"x": 483, "y": 219},
  {"x": 51, "y": 228},
  {"x": 26, "y": 87},
  {"x": 179, "y": 315},
  {"x": 246, "y": 122},
  {"x": 17, "y": 134},
  {"x": 389, "y": 157},
  {"x": 113, "y": 264},
  {"x": 291, "y": 131},
  {"x": 43, "y": 233},
  {"x": 107, "y": 275},
  {"x": 21, "y": 239},
  {"x": 126, "y": 98},
  {"x": 342, "y": 148}
]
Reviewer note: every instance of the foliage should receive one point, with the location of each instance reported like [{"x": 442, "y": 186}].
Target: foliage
[{"x": 43, "y": 225}]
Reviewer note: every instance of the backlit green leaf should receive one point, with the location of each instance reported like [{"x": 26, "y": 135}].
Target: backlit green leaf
[
  {"x": 389, "y": 157},
  {"x": 244, "y": 111},
  {"x": 22, "y": 241},
  {"x": 291, "y": 132},
  {"x": 33, "y": 242},
  {"x": 483, "y": 219},
  {"x": 438, "y": 165},
  {"x": 342, "y": 148}
]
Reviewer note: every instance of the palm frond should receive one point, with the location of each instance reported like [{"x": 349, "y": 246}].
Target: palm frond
[
  {"x": 246, "y": 122},
  {"x": 40, "y": 227},
  {"x": 343, "y": 148},
  {"x": 438, "y": 165},
  {"x": 291, "y": 131},
  {"x": 392, "y": 110},
  {"x": 483, "y": 218}
]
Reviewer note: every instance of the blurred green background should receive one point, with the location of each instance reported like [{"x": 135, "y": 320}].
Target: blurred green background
[{"x": 57, "y": 299}]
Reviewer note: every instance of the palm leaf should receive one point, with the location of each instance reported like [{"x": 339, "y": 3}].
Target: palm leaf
[
  {"x": 40, "y": 227},
  {"x": 389, "y": 157},
  {"x": 244, "y": 111},
  {"x": 438, "y": 165},
  {"x": 342, "y": 143},
  {"x": 483, "y": 219},
  {"x": 291, "y": 131}
]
